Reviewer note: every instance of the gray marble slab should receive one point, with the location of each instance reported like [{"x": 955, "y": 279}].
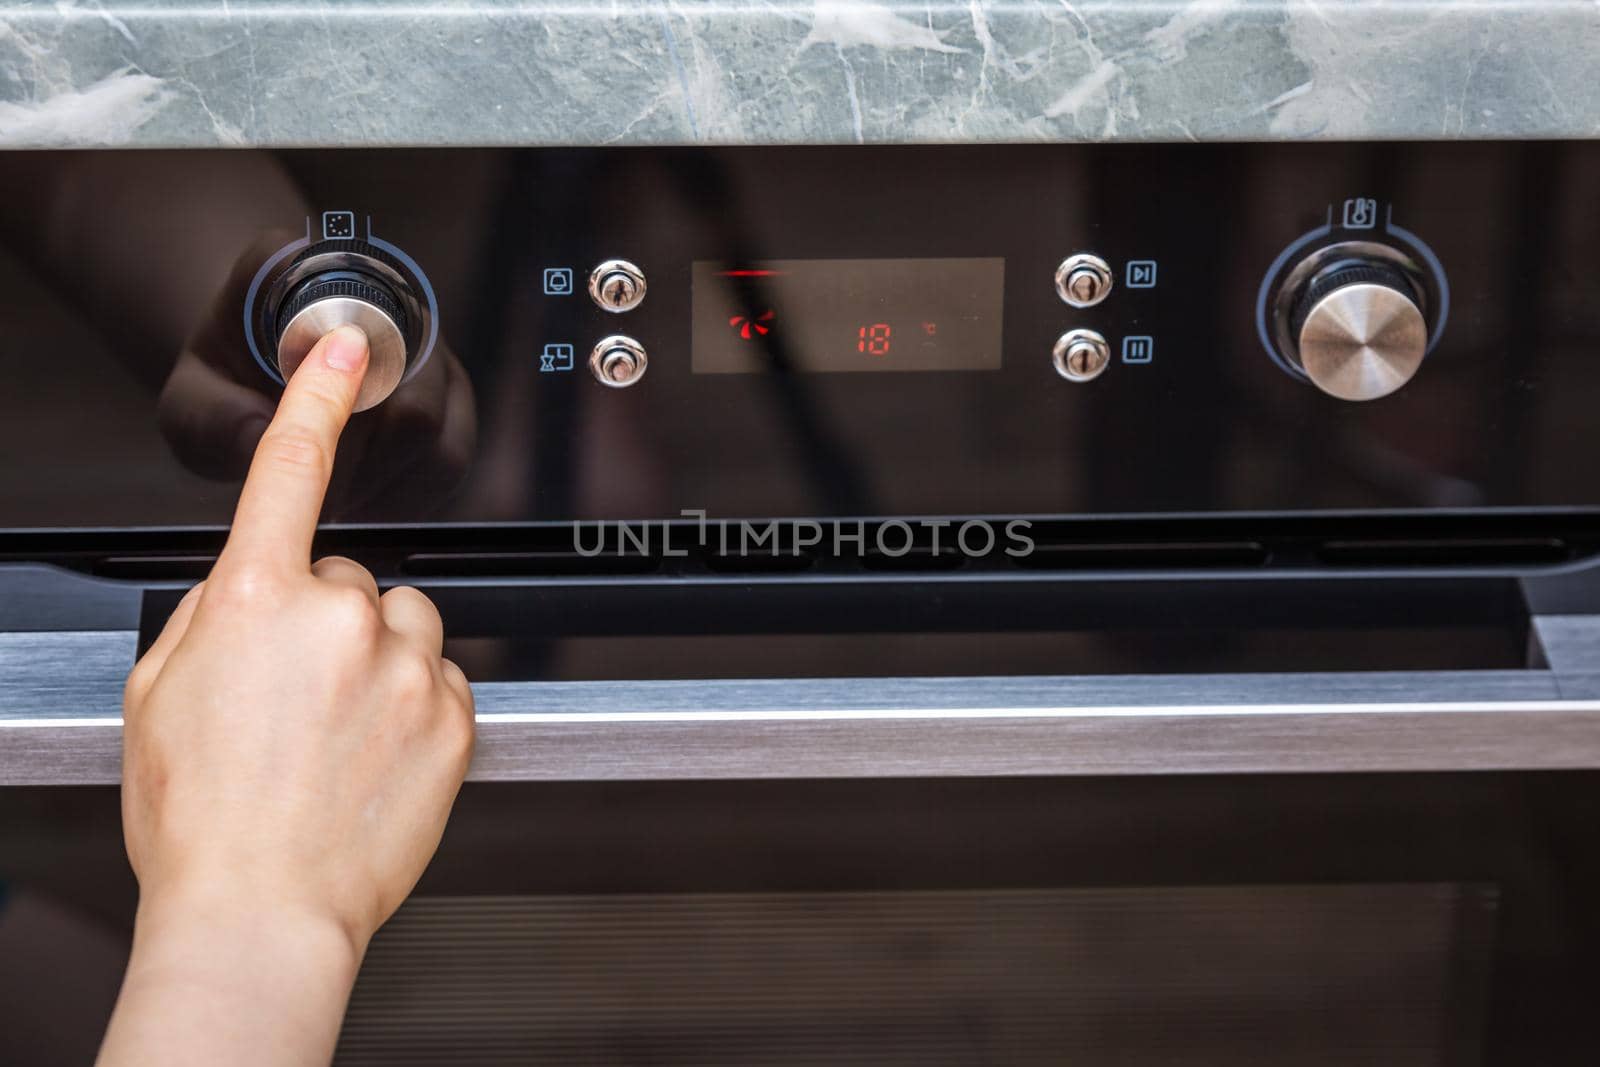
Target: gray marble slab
[{"x": 594, "y": 72}]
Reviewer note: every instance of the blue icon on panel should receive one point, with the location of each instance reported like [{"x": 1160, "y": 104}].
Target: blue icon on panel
[
  {"x": 1138, "y": 349},
  {"x": 1141, "y": 274},
  {"x": 338, "y": 225},
  {"x": 1360, "y": 213},
  {"x": 555, "y": 358},
  {"x": 558, "y": 281}
]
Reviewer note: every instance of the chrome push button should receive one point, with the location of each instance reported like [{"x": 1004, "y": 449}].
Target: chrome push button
[
  {"x": 1080, "y": 355},
  {"x": 618, "y": 361},
  {"x": 1083, "y": 280},
  {"x": 617, "y": 286}
]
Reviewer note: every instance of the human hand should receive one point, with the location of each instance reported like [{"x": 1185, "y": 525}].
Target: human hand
[{"x": 292, "y": 746}]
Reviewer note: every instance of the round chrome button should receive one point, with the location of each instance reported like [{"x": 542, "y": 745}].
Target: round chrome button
[
  {"x": 618, "y": 361},
  {"x": 1359, "y": 334},
  {"x": 386, "y": 342},
  {"x": 616, "y": 286},
  {"x": 1080, "y": 355},
  {"x": 1083, "y": 280}
]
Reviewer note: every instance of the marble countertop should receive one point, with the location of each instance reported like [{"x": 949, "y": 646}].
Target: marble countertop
[{"x": 387, "y": 72}]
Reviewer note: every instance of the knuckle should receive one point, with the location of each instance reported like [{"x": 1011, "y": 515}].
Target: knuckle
[
  {"x": 412, "y": 678},
  {"x": 341, "y": 567},
  {"x": 246, "y": 583},
  {"x": 460, "y": 730},
  {"x": 412, "y": 599},
  {"x": 139, "y": 681},
  {"x": 465, "y": 739},
  {"x": 456, "y": 678},
  {"x": 351, "y": 613},
  {"x": 296, "y": 449}
]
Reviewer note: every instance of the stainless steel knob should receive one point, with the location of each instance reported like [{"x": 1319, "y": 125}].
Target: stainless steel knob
[
  {"x": 323, "y": 304},
  {"x": 1358, "y": 331},
  {"x": 618, "y": 361}
]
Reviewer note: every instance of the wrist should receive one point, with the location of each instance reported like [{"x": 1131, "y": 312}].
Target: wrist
[
  {"x": 230, "y": 977},
  {"x": 205, "y": 920}
]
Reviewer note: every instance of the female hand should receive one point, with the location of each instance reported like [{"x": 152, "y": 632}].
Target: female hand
[{"x": 293, "y": 743}]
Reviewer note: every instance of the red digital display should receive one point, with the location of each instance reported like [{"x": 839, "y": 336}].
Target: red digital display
[
  {"x": 834, "y": 315},
  {"x": 875, "y": 339}
]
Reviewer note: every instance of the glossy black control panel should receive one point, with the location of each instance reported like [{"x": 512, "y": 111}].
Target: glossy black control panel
[{"x": 636, "y": 333}]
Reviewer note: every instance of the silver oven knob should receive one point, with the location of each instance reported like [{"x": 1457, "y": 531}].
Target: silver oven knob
[
  {"x": 1357, "y": 330},
  {"x": 322, "y": 304}
]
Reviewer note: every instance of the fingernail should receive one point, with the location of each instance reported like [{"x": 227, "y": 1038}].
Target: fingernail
[{"x": 346, "y": 348}]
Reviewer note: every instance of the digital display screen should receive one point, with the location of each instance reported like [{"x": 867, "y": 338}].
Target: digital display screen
[{"x": 847, "y": 315}]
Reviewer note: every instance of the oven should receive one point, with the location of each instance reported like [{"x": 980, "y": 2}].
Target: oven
[{"x": 1112, "y": 603}]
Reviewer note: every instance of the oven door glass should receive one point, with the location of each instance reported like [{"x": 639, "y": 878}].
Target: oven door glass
[{"x": 1421, "y": 919}]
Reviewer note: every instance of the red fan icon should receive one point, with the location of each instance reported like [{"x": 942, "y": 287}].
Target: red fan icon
[{"x": 750, "y": 327}]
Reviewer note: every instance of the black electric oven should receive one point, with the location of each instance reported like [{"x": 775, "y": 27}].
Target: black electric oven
[{"x": 1108, "y": 603}]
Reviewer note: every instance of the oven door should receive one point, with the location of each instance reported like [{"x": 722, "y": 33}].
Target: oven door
[
  {"x": 740, "y": 819},
  {"x": 1313, "y": 919}
]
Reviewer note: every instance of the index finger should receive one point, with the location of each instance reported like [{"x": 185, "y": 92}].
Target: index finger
[{"x": 282, "y": 494}]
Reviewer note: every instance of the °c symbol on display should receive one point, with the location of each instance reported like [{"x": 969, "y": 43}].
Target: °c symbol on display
[{"x": 750, "y": 326}]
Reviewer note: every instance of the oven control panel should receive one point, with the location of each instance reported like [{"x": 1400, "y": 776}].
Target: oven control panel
[{"x": 1049, "y": 330}]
